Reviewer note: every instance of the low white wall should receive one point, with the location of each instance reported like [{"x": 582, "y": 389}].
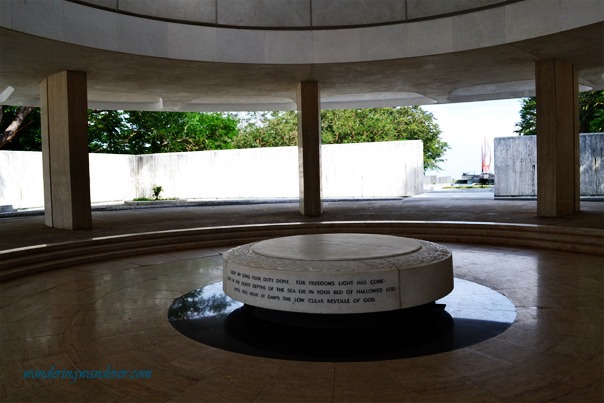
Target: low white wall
[
  {"x": 515, "y": 161},
  {"x": 224, "y": 174},
  {"x": 21, "y": 179},
  {"x": 388, "y": 169},
  {"x": 112, "y": 177},
  {"x": 385, "y": 169}
]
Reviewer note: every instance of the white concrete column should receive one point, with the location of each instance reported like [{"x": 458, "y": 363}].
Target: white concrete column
[
  {"x": 65, "y": 151},
  {"x": 309, "y": 148},
  {"x": 558, "y": 187}
]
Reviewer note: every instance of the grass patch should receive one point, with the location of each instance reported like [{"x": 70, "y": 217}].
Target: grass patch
[{"x": 147, "y": 199}]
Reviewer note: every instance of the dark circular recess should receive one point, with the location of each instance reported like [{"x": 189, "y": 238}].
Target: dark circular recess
[
  {"x": 343, "y": 321},
  {"x": 469, "y": 315}
]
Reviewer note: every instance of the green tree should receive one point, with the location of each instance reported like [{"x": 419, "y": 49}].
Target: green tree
[
  {"x": 591, "y": 114},
  {"x": 268, "y": 129},
  {"x": 139, "y": 132},
  {"x": 528, "y": 118},
  {"x": 127, "y": 132},
  {"x": 386, "y": 124},
  {"x": 350, "y": 126},
  {"x": 108, "y": 132},
  {"x": 20, "y": 128}
]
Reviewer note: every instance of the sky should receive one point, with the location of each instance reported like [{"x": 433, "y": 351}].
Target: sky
[{"x": 465, "y": 126}]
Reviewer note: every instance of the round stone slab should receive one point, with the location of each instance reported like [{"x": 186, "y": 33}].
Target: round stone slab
[
  {"x": 338, "y": 273},
  {"x": 336, "y": 247}
]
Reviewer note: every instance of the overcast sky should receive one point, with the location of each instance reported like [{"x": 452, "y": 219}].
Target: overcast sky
[{"x": 465, "y": 125}]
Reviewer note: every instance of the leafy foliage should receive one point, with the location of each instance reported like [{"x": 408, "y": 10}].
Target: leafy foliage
[
  {"x": 29, "y": 136},
  {"x": 108, "y": 132},
  {"x": 138, "y": 132},
  {"x": 591, "y": 114},
  {"x": 268, "y": 129},
  {"x": 135, "y": 132},
  {"x": 350, "y": 126},
  {"x": 528, "y": 118},
  {"x": 157, "y": 191},
  {"x": 386, "y": 124}
]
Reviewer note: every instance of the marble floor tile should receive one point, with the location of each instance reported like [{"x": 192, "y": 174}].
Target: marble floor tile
[
  {"x": 368, "y": 381},
  {"x": 114, "y": 313},
  {"x": 464, "y": 390},
  {"x": 517, "y": 384}
]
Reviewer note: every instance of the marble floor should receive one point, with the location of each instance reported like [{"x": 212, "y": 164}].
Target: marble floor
[{"x": 113, "y": 315}]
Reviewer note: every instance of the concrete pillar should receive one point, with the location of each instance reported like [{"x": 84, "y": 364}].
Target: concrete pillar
[
  {"x": 558, "y": 187},
  {"x": 65, "y": 151},
  {"x": 309, "y": 148}
]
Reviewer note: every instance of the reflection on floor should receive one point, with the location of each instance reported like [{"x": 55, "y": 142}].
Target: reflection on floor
[{"x": 114, "y": 315}]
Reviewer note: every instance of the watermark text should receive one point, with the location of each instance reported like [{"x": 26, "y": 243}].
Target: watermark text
[{"x": 74, "y": 375}]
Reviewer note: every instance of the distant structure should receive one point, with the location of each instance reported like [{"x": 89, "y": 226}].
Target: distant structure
[
  {"x": 437, "y": 180},
  {"x": 485, "y": 177},
  {"x": 471, "y": 178},
  {"x": 485, "y": 150}
]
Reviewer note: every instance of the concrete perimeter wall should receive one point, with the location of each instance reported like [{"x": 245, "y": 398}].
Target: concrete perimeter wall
[
  {"x": 388, "y": 169},
  {"x": 516, "y": 165}
]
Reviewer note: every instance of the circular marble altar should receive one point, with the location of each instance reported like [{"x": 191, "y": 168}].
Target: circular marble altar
[
  {"x": 338, "y": 273},
  {"x": 336, "y": 247}
]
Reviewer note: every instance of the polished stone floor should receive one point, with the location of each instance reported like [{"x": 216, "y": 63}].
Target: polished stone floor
[{"x": 114, "y": 314}]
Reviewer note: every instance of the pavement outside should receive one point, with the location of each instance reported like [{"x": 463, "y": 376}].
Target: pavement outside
[{"x": 473, "y": 206}]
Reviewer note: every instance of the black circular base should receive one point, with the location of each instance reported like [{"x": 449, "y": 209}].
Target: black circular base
[
  {"x": 342, "y": 321},
  {"x": 474, "y": 313},
  {"x": 364, "y": 343}
]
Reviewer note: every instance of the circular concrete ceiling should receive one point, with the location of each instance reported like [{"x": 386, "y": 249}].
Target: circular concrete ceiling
[{"x": 486, "y": 51}]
